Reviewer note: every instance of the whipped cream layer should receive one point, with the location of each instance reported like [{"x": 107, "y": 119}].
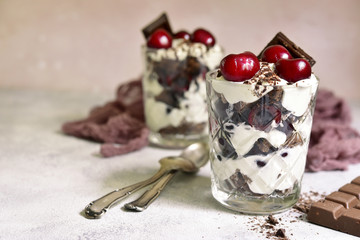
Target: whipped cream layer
[
  {"x": 244, "y": 136},
  {"x": 181, "y": 49},
  {"x": 253, "y": 89}
]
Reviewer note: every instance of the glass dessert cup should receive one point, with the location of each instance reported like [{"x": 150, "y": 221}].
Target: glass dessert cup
[
  {"x": 175, "y": 92},
  {"x": 259, "y": 136}
]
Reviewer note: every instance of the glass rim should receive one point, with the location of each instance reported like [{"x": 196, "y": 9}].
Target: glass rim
[{"x": 211, "y": 76}]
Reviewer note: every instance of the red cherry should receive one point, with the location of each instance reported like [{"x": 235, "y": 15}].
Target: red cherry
[
  {"x": 202, "y": 36},
  {"x": 293, "y": 70},
  {"x": 159, "y": 39},
  {"x": 182, "y": 34},
  {"x": 239, "y": 67},
  {"x": 274, "y": 53}
]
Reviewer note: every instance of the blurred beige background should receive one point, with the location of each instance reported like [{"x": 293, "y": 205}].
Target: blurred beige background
[{"x": 93, "y": 46}]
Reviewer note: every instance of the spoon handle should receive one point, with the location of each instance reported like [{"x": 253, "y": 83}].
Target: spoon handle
[
  {"x": 97, "y": 208},
  {"x": 149, "y": 196}
]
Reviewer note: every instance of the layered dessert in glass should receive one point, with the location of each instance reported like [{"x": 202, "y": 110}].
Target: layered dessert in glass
[
  {"x": 174, "y": 84},
  {"x": 260, "y": 115}
]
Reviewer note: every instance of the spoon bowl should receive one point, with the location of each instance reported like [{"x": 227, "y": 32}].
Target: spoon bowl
[
  {"x": 197, "y": 153},
  {"x": 191, "y": 158}
]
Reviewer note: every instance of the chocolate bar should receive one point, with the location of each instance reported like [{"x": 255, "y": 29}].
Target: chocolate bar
[
  {"x": 340, "y": 210},
  {"x": 295, "y": 51},
  {"x": 160, "y": 22}
]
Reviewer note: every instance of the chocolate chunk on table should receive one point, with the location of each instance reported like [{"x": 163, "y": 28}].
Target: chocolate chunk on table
[
  {"x": 295, "y": 51},
  {"x": 340, "y": 210},
  {"x": 280, "y": 233},
  {"x": 160, "y": 22}
]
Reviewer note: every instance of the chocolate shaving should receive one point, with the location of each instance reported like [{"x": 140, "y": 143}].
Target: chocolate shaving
[
  {"x": 271, "y": 220},
  {"x": 160, "y": 22},
  {"x": 280, "y": 233},
  {"x": 295, "y": 51},
  {"x": 265, "y": 75}
]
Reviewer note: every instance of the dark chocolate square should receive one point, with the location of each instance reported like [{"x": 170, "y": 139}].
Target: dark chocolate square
[
  {"x": 295, "y": 51},
  {"x": 160, "y": 22}
]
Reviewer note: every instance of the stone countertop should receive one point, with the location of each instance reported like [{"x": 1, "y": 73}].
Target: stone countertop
[{"x": 47, "y": 178}]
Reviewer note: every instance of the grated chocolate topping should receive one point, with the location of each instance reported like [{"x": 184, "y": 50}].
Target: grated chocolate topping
[
  {"x": 266, "y": 75},
  {"x": 263, "y": 80}
]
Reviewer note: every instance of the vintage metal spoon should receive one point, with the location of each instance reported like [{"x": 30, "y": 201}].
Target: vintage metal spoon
[
  {"x": 198, "y": 154},
  {"x": 99, "y": 207}
]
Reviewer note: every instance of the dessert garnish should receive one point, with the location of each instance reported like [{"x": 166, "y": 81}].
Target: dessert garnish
[
  {"x": 244, "y": 66},
  {"x": 160, "y": 22},
  {"x": 239, "y": 67},
  {"x": 295, "y": 51},
  {"x": 159, "y": 39},
  {"x": 293, "y": 70},
  {"x": 182, "y": 34},
  {"x": 274, "y": 53},
  {"x": 203, "y": 36}
]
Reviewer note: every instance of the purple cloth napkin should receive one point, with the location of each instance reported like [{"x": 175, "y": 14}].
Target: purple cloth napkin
[
  {"x": 120, "y": 126},
  {"x": 334, "y": 144}
]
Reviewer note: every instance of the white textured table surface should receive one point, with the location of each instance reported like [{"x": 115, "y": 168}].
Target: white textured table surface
[{"x": 47, "y": 178}]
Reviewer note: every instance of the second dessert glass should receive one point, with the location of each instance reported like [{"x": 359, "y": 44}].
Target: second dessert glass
[
  {"x": 175, "y": 90},
  {"x": 259, "y": 136}
]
